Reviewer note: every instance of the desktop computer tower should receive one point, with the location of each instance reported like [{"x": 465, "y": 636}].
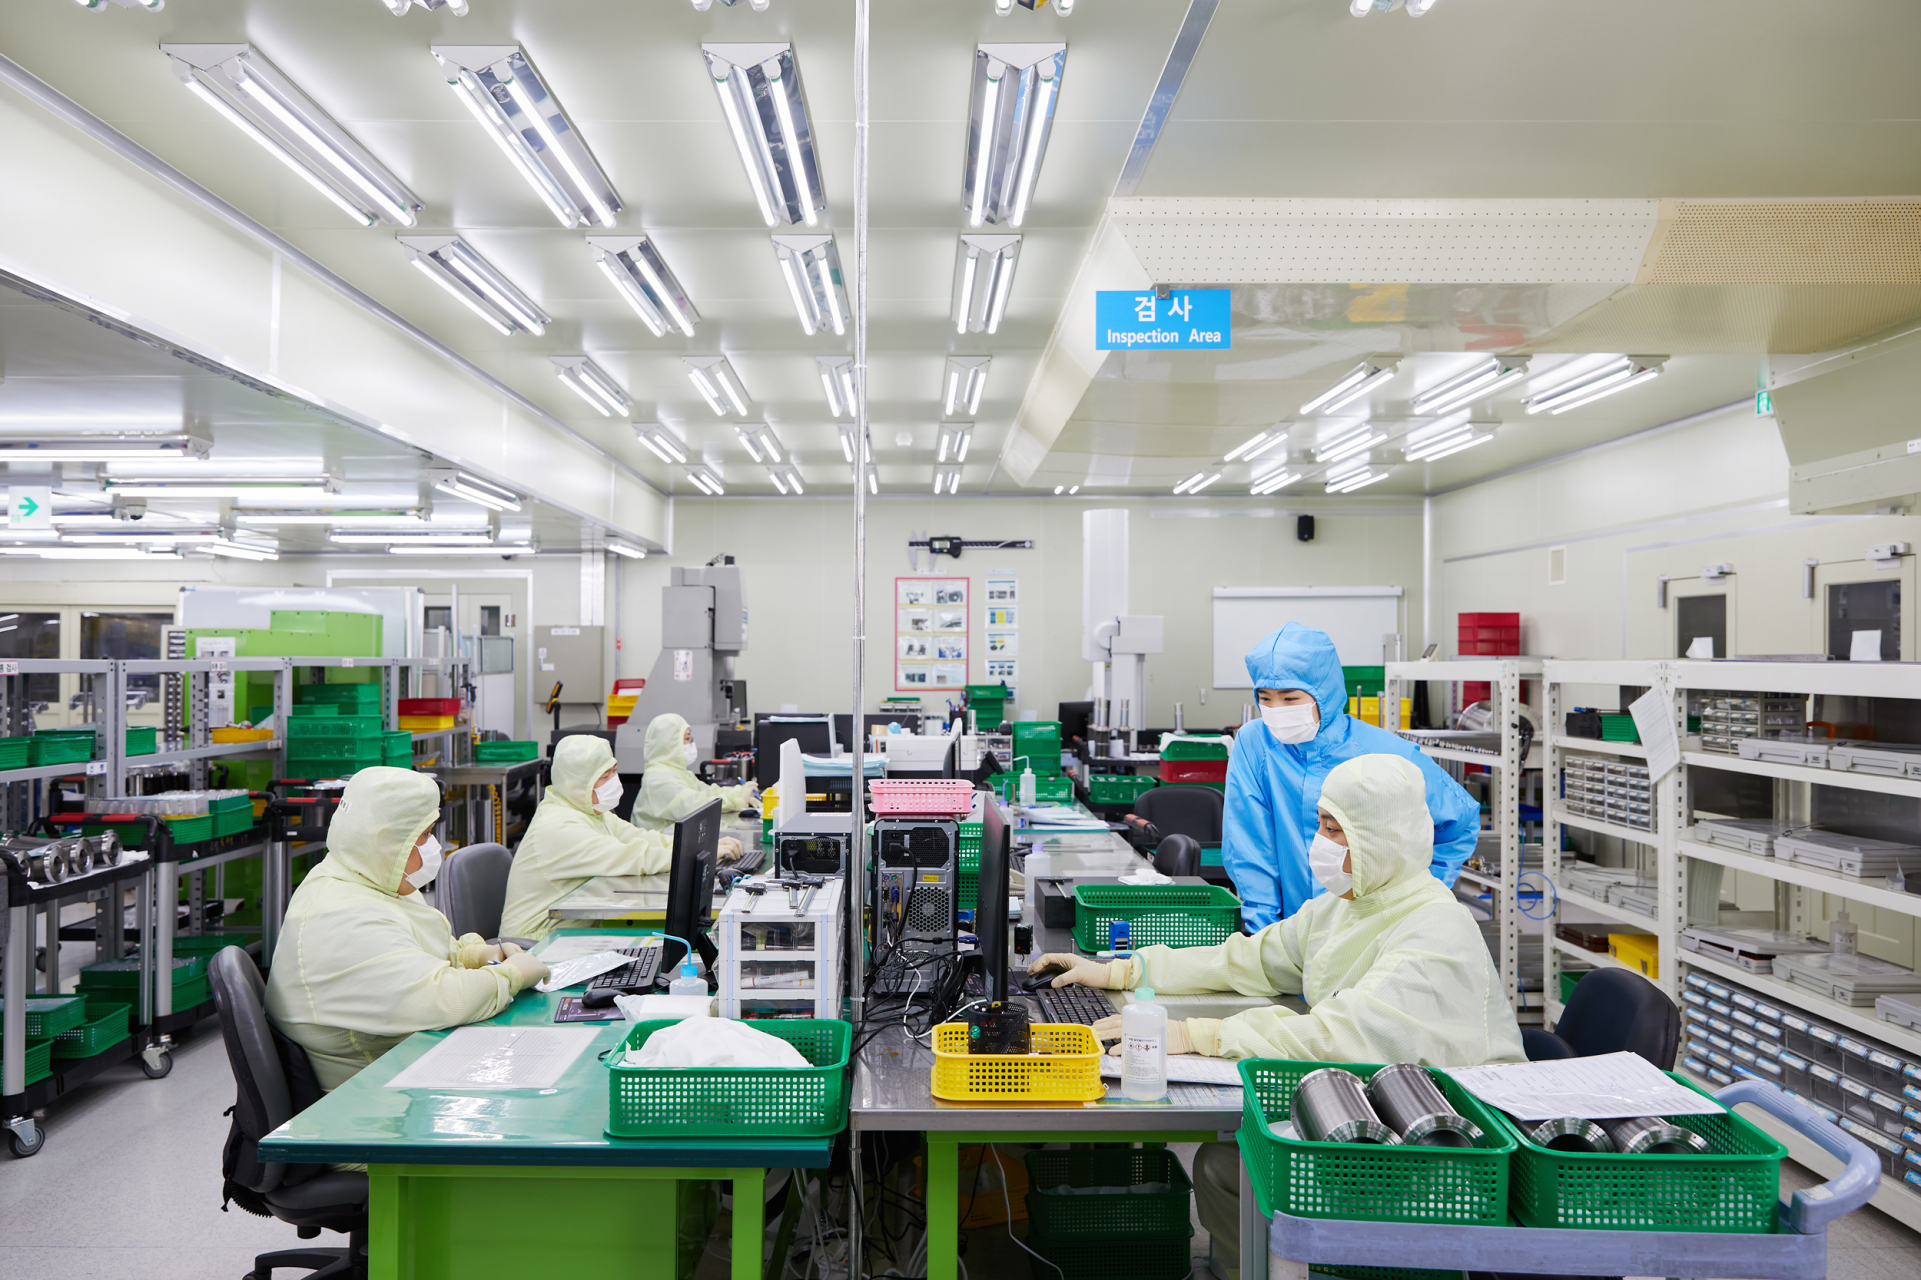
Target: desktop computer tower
[
  {"x": 815, "y": 844},
  {"x": 916, "y": 893}
]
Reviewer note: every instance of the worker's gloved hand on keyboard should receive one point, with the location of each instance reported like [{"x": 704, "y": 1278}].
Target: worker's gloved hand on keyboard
[
  {"x": 1121, "y": 975},
  {"x": 1178, "y": 1041},
  {"x": 476, "y": 951},
  {"x": 729, "y": 849},
  {"x": 523, "y": 971}
]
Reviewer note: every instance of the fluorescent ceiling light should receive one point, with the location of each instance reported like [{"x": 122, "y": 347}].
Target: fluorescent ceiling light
[
  {"x": 983, "y": 277},
  {"x": 1011, "y": 115},
  {"x": 1273, "y": 481},
  {"x": 718, "y": 384},
  {"x": 1354, "y": 384},
  {"x": 1361, "y": 8},
  {"x": 760, "y": 95},
  {"x": 640, "y": 274},
  {"x": 1353, "y": 475},
  {"x": 1593, "y": 384},
  {"x": 594, "y": 385},
  {"x": 850, "y": 442},
  {"x": 87, "y": 553},
  {"x": 760, "y": 442},
  {"x": 157, "y": 448},
  {"x": 1357, "y": 441},
  {"x": 239, "y": 83},
  {"x": 336, "y": 519},
  {"x": 287, "y": 492},
  {"x": 837, "y": 380},
  {"x": 953, "y": 441},
  {"x": 499, "y": 85},
  {"x": 873, "y": 481},
  {"x": 468, "y": 537},
  {"x": 758, "y": 6},
  {"x": 962, "y": 382},
  {"x": 453, "y": 265},
  {"x": 496, "y": 550},
  {"x": 947, "y": 480},
  {"x": 1442, "y": 444},
  {"x": 100, "y": 6},
  {"x": 459, "y": 484},
  {"x": 626, "y": 552},
  {"x": 1197, "y": 482},
  {"x": 240, "y": 550},
  {"x": 811, "y": 267},
  {"x": 458, "y": 8},
  {"x": 1478, "y": 382},
  {"x": 661, "y": 443},
  {"x": 787, "y": 480},
  {"x": 1257, "y": 444},
  {"x": 705, "y": 480}
]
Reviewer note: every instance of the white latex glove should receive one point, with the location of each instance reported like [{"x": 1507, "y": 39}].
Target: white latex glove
[
  {"x": 476, "y": 951},
  {"x": 1178, "y": 1041},
  {"x": 1117, "y": 976},
  {"x": 729, "y": 850},
  {"x": 510, "y": 949},
  {"x": 523, "y": 971}
]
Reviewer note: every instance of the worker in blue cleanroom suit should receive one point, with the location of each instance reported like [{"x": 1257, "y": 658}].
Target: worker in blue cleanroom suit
[{"x": 1274, "y": 777}]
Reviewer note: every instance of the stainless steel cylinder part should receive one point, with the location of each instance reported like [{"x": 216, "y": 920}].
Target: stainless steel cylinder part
[
  {"x": 1653, "y": 1136},
  {"x": 1330, "y": 1105},
  {"x": 1569, "y": 1133},
  {"x": 1408, "y": 1101}
]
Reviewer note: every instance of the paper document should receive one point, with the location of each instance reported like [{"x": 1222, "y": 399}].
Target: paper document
[
  {"x": 1606, "y": 1087},
  {"x": 1189, "y": 1068},
  {"x": 496, "y": 1058},
  {"x": 568, "y": 973},
  {"x": 1864, "y": 646},
  {"x": 574, "y": 948},
  {"x": 1062, "y": 817},
  {"x": 1653, "y": 714}
]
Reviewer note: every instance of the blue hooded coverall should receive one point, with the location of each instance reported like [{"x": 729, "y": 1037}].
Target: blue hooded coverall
[{"x": 1274, "y": 789}]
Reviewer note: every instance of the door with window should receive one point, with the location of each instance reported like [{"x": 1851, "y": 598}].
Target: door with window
[
  {"x": 1704, "y": 615},
  {"x": 1863, "y": 611},
  {"x": 489, "y": 630}
]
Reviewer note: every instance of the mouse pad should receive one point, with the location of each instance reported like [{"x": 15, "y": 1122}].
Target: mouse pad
[{"x": 570, "y": 1011}]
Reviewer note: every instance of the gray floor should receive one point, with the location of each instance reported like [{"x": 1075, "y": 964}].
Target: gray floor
[{"x": 128, "y": 1185}]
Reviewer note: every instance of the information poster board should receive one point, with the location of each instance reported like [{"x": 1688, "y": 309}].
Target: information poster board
[{"x": 930, "y": 634}]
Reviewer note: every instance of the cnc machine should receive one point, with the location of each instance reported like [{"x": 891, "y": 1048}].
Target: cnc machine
[{"x": 703, "y": 625}]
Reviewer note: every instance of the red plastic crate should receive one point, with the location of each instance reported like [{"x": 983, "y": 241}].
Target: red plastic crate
[
  {"x": 1175, "y": 772},
  {"x": 430, "y": 706},
  {"x": 1489, "y": 619}
]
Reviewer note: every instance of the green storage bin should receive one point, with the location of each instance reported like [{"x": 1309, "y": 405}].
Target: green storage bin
[
  {"x": 1616, "y": 727},
  {"x": 1568, "y": 978},
  {"x": 16, "y": 753},
  {"x": 107, "y": 1025},
  {"x": 258, "y": 712},
  {"x": 1096, "y": 1231},
  {"x": 124, "y": 974},
  {"x": 362, "y": 750},
  {"x": 301, "y": 767},
  {"x": 1195, "y": 748},
  {"x": 967, "y": 890},
  {"x": 712, "y": 1102},
  {"x": 302, "y": 728},
  {"x": 232, "y": 823},
  {"x": 1055, "y": 787},
  {"x": 143, "y": 740},
  {"x": 1734, "y": 1188},
  {"x": 1037, "y": 743},
  {"x": 1364, "y": 682},
  {"x": 192, "y": 828},
  {"x": 60, "y": 748},
  {"x": 188, "y": 945},
  {"x": 50, "y": 1015},
  {"x": 1119, "y": 788},
  {"x": 304, "y": 710},
  {"x": 505, "y": 752},
  {"x": 1167, "y": 915},
  {"x": 39, "y": 1060},
  {"x": 1462, "y": 1185},
  {"x": 350, "y": 694}
]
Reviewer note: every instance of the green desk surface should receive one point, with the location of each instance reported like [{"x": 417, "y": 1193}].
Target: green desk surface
[{"x": 364, "y": 1122}]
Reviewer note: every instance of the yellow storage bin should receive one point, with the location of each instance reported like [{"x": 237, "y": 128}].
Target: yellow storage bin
[
  {"x": 1639, "y": 951},
  {"x": 1369, "y": 709},
  {"x": 1065, "y": 1066},
  {"x": 242, "y": 735},
  {"x": 427, "y": 724}
]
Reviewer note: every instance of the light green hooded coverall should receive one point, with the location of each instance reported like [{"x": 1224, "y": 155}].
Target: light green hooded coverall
[
  {"x": 571, "y": 840},
  {"x": 669, "y": 791},
  {"x": 359, "y": 967}
]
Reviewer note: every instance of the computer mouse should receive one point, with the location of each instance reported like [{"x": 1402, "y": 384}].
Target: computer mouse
[
  {"x": 599, "y": 998},
  {"x": 1042, "y": 978}
]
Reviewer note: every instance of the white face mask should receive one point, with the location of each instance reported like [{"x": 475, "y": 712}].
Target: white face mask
[
  {"x": 1324, "y": 859},
  {"x": 691, "y": 754},
  {"x": 607, "y": 795},
  {"x": 1295, "y": 722},
  {"x": 430, "y": 860}
]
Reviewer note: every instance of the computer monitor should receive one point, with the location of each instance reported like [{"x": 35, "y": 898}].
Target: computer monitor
[
  {"x": 690, "y": 885},
  {"x": 1074, "y": 717},
  {"x": 814, "y": 735},
  {"x": 872, "y": 722},
  {"x": 990, "y": 913}
]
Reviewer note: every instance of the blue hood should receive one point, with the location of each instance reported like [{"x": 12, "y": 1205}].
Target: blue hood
[{"x": 1298, "y": 657}]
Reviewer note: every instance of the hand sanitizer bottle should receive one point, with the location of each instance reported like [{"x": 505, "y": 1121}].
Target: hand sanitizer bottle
[
  {"x": 689, "y": 983},
  {"x": 1843, "y": 937},
  {"x": 1029, "y": 788},
  {"x": 1144, "y": 1048}
]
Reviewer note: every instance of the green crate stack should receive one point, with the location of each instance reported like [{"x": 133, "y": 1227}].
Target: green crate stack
[
  {"x": 1091, "y": 1215},
  {"x": 61, "y": 746},
  {"x": 16, "y": 753},
  {"x": 397, "y": 749},
  {"x": 39, "y": 1060},
  {"x": 1119, "y": 788},
  {"x": 505, "y": 752},
  {"x": 988, "y": 702},
  {"x": 191, "y": 828},
  {"x": 119, "y": 980},
  {"x": 1037, "y": 743},
  {"x": 315, "y": 748},
  {"x": 48, "y": 1016},
  {"x": 231, "y": 815},
  {"x": 300, "y": 728},
  {"x": 1048, "y": 788},
  {"x": 342, "y": 694},
  {"x": 107, "y": 1024}
]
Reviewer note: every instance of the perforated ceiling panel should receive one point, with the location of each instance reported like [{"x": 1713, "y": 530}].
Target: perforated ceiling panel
[
  {"x": 1734, "y": 318},
  {"x": 1230, "y": 241},
  {"x": 1821, "y": 242}
]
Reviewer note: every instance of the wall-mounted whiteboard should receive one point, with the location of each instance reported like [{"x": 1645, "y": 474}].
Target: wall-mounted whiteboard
[{"x": 1356, "y": 618}]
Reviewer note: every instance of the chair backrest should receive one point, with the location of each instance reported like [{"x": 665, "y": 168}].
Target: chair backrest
[
  {"x": 1613, "y": 1010},
  {"x": 1178, "y": 855},
  {"x": 265, "y": 1097},
  {"x": 471, "y": 889},
  {"x": 1184, "y": 811}
]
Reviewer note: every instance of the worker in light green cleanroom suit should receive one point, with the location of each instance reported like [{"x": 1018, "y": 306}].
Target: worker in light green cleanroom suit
[{"x": 669, "y": 791}]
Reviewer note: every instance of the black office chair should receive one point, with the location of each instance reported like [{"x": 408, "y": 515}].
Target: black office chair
[
  {"x": 275, "y": 1082},
  {"x": 1611, "y": 1010},
  {"x": 1178, "y": 855},
  {"x": 1184, "y": 811},
  {"x": 471, "y": 889}
]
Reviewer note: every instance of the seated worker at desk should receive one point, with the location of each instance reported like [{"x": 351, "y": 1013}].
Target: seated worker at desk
[
  {"x": 1277, "y": 770},
  {"x": 1391, "y": 965},
  {"x": 669, "y": 791},
  {"x": 362, "y": 963},
  {"x": 575, "y": 837}
]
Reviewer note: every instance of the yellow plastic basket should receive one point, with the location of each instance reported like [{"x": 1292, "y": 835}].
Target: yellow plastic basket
[{"x": 1065, "y": 1066}]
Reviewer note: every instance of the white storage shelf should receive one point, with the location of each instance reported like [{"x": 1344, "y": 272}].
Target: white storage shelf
[
  {"x": 1867, "y": 892},
  {"x": 1861, "y": 1020},
  {"x": 818, "y": 927}
]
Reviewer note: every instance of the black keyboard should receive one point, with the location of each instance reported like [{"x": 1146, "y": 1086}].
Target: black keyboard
[
  {"x": 637, "y": 976},
  {"x": 1084, "y": 1005}
]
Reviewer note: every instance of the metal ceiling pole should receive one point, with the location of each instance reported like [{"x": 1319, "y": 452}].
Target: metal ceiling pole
[{"x": 857, "y": 857}]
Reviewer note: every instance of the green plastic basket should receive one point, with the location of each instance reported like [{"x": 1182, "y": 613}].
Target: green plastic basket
[
  {"x": 1465, "y": 1185},
  {"x": 1618, "y": 728},
  {"x": 713, "y": 1102},
  {"x": 1569, "y": 977},
  {"x": 302, "y": 728},
  {"x": 1037, "y": 743},
  {"x": 206, "y": 944},
  {"x": 39, "y": 1060},
  {"x": 968, "y": 887},
  {"x": 1168, "y": 915},
  {"x": 304, "y": 767},
  {"x": 50, "y": 1015},
  {"x": 314, "y": 710},
  {"x": 143, "y": 740},
  {"x": 1119, "y": 788},
  {"x": 1732, "y": 1189},
  {"x": 107, "y": 1026},
  {"x": 1061, "y": 1216},
  {"x": 345, "y": 695},
  {"x": 366, "y": 750},
  {"x": 15, "y": 753},
  {"x": 505, "y": 752},
  {"x": 191, "y": 828},
  {"x": 1054, "y": 788},
  {"x": 1186, "y": 748},
  {"x": 232, "y": 823},
  {"x": 124, "y": 975},
  {"x": 50, "y": 748}
]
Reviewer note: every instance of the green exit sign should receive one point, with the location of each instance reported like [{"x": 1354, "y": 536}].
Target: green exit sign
[{"x": 1763, "y": 404}]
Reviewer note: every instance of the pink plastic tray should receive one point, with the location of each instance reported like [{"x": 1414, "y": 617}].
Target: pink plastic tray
[{"x": 945, "y": 797}]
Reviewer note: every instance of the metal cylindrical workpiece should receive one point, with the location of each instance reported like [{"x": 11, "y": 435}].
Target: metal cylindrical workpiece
[
  {"x": 1330, "y": 1105},
  {"x": 1653, "y": 1136},
  {"x": 1408, "y": 1101},
  {"x": 1569, "y": 1133}
]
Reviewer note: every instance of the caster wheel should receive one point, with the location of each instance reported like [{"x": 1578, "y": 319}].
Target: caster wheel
[
  {"x": 156, "y": 1067},
  {"x": 24, "y": 1147}
]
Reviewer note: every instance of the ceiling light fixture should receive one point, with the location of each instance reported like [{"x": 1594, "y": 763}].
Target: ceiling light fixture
[
  {"x": 849, "y": 445},
  {"x": 873, "y": 481},
  {"x": 398, "y": 7},
  {"x": 760, "y": 94},
  {"x": 1256, "y": 445},
  {"x": 760, "y": 442},
  {"x": 100, "y": 6},
  {"x": 470, "y": 537},
  {"x": 947, "y": 480},
  {"x": 635, "y": 268},
  {"x": 88, "y": 553},
  {"x": 1273, "y": 481},
  {"x": 499, "y": 85},
  {"x": 983, "y": 277},
  {"x": 705, "y": 480},
  {"x": 459, "y": 484},
  {"x": 239, "y": 83},
  {"x": 1357, "y": 441},
  {"x": 626, "y": 552},
  {"x": 1440, "y": 446},
  {"x": 1594, "y": 384},
  {"x": 718, "y": 384},
  {"x": 661, "y": 443},
  {"x": 240, "y": 550},
  {"x": 837, "y": 380},
  {"x": 787, "y": 480},
  {"x": 503, "y": 550},
  {"x": 953, "y": 441},
  {"x": 453, "y": 265},
  {"x": 811, "y": 266},
  {"x": 165, "y": 447},
  {"x": 283, "y": 491},
  {"x": 962, "y": 383},
  {"x": 758, "y": 6},
  {"x": 1354, "y": 384},
  {"x": 1197, "y": 482},
  {"x": 1358, "y": 480},
  {"x": 1009, "y": 119},
  {"x": 594, "y": 385},
  {"x": 1494, "y": 374}
]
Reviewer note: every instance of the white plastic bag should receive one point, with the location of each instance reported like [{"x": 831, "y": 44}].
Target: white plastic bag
[{"x": 714, "y": 1042}]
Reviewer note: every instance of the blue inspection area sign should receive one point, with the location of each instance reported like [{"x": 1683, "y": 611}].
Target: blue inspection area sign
[{"x": 1185, "y": 320}]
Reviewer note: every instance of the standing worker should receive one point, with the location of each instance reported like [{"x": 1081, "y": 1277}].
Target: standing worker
[
  {"x": 1274, "y": 777},
  {"x": 669, "y": 791}
]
